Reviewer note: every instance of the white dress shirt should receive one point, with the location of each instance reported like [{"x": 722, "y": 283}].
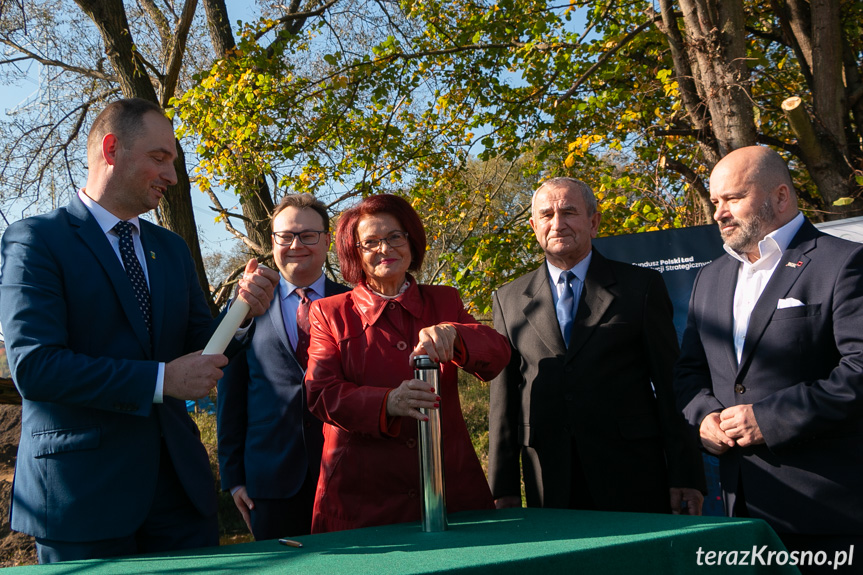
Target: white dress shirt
[{"x": 753, "y": 277}]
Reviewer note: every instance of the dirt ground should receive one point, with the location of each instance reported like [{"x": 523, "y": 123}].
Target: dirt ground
[
  {"x": 15, "y": 548},
  {"x": 19, "y": 549}
]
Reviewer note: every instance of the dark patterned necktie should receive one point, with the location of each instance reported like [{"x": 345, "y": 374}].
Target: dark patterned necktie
[
  {"x": 134, "y": 271},
  {"x": 303, "y": 327}
]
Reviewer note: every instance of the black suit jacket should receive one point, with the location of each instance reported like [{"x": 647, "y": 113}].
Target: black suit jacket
[
  {"x": 268, "y": 439},
  {"x": 596, "y": 394},
  {"x": 801, "y": 369}
]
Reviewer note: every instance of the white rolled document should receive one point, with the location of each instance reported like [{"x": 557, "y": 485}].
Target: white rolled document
[{"x": 227, "y": 328}]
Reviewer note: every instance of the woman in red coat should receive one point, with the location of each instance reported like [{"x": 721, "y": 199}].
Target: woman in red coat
[{"x": 360, "y": 380}]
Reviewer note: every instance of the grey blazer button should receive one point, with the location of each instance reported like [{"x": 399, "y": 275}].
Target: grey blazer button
[{"x": 739, "y": 388}]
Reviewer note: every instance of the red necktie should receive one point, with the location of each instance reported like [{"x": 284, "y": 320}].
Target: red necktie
[{"x": 303, "y": 327}]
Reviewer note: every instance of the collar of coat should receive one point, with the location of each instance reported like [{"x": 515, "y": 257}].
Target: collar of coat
[{"x": 371, "y": 306}]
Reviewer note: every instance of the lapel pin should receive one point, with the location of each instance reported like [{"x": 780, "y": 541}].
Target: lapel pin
[
  {"x": 793, "y": 265},
  {"x": 152, "y": 255}
]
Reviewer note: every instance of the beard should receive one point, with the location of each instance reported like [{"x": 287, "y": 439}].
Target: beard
[{"x": 745, "y": 236}]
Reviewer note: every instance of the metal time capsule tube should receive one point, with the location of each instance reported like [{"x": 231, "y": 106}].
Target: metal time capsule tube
[{"x": 431, "y": 452}]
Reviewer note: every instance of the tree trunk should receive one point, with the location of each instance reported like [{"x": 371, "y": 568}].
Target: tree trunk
[
  {"x": 109, "y": 16},
  {"x": 257, "y": 202},
  {"x": 795, "y": 37},
  {"x": 823, "y": 138},
  {"x": 696, "y": 110},
  {"x": 829, "y": 101},
  {"x": 854, "y": 86},
  {"x": 821, "y": 161},
  {"x": 799, "y": 16},
  {"x": 715, "y": 30},
  {"x": 219, "y": 27},
  {"x": 258, "y": 208}
]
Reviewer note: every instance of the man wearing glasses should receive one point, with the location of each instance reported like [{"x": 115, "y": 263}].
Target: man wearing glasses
[{"x": 269, "y": 444}]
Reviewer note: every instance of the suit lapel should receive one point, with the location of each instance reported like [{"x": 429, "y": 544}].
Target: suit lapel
[
  {"x": 94, "y": 238},
  {"x": 783, "y": 278},
  {"x": 723, "y": 306},
  {"x": 594, "y": 302},
  {"x": 275, "y": 317},
  {"x": 539, "y": 311},
  {"x": 158, "y": 277}
]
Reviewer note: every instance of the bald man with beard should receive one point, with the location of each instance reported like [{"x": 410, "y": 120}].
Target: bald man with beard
[{"x": 770, "y": 375}]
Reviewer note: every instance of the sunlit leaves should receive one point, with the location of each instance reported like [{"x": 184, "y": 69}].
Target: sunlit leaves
[{"x": 461, "y": 108}]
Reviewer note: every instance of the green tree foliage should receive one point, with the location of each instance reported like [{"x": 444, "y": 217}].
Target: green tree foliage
[{"x": 465, "y": 106}]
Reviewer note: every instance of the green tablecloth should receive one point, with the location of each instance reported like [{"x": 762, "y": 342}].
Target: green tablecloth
[{"x": 517, "y": 541}]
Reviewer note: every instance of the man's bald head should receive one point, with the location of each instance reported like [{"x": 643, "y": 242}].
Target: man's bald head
[
  {"x": 752, "y": 191},
  {"x": 757, "y": 164}
]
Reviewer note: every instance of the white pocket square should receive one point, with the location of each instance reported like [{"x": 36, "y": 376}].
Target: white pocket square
[{"x": 789, "y": 302}]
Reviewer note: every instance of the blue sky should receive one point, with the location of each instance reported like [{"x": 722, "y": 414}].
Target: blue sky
[{"x": 214, "y": 237}]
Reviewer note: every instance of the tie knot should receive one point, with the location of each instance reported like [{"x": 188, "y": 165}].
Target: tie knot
[
  {"x": 303, "y": 294},
  {"x": 124, "y": 229},
  {"x": 567, "y": 276}
]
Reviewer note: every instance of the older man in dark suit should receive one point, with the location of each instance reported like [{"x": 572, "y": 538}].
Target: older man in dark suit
[
  {"x": 104, "y": 320},
  {"x": 269, "y": 443},
  {"x": 771, "y": 368},
  {"x": 589, "y": 336}
]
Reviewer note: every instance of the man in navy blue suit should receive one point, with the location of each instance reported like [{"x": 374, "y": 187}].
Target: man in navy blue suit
[
  {"x": 770, "y": 373},
  {"x": 269, "y": 443},
  {"x": 104, "y": 322}
]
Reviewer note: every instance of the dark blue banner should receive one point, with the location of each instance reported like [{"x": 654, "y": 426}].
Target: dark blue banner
[{"x": 677, "y": 254}]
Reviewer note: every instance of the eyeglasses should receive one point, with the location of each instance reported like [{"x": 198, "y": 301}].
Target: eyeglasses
[
  {"x": 306, "y": 237},
  {"x": 394, "y": 240}
]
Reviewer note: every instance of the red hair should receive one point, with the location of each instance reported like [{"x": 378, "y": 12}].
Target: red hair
[{"x": 350, "y": 260}]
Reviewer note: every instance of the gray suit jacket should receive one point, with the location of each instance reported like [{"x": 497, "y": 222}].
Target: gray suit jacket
[{"x": 595, "y": 395}]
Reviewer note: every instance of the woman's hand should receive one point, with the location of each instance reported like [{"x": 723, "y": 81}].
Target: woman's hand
[
  {"x": 409, "y": 397},
  {"x": 439, "y": 342}
]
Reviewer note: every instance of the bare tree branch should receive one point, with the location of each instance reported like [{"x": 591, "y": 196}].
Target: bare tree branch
[
  {"x": 696, "y": 182},
  {"x": 55, "y": 63},
  {"x": 178, "y": 48},
  {"x": 234, "y": 231},
  {"x": 284, "y": 20}
]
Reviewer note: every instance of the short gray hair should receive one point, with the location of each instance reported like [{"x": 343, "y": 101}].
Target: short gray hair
[{"x": 574, "y": 185}]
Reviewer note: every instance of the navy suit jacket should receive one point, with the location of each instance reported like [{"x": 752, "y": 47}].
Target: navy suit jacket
[
  {"x": 268, "y": 439},
  {"x": 82, "y": 359},
  {"x": 802, "y": 371}
]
